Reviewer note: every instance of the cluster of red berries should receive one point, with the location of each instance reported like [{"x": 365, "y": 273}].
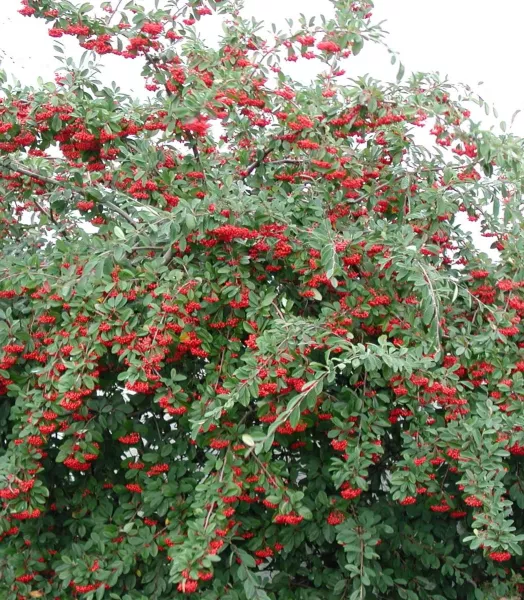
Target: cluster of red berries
[
  {"x": 500, "y": 556},
  {"x": 188, "y": 586},
  {"x": 408, "y": 500},
  {"x": 473, "y": 501},
  {"x": 130, "y": 438},
  {"x": 350, "y": 493},
  {"x": 158, "y": 469},
  {"x": 335, "y": 518},
  {"x": 134, "y": 487},
  {"x": 289, "y": 519}
]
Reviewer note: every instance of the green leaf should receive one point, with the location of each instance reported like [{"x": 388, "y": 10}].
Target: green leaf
[
  {"x": 358, "y": 44},
  {"x": 268, "y": 299},
  {"x": 429, "y": 313},
  {"x": 328, "y": 259},
  {"x": 119, "y": 233},
  {"x": 248, "y": 440},
  {"x": 400, "y": 72},
  {"x": 190, "y": 221}
]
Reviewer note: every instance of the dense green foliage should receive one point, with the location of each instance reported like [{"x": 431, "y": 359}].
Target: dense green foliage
[{"x": 250, "y": 348}]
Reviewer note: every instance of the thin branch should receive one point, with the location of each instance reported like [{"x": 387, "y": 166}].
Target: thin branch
[
  {"x": 220, "y": 479},
  {"x": 113, "y": 13},
  {"x": 45, "y": 211},
  {"x": 279, "y": 312},
  {"x": 16, "y": 167},
  {"x": 271, "y": 479},
  {"x": 122, "y": 213},
  {"x": 284, "y": 161},
  {"x": 257, "y": 163},
  {"x": 135, "y": 248},
  {"x": 168, "y": 256},
  {"x": 194, "y": 148}
]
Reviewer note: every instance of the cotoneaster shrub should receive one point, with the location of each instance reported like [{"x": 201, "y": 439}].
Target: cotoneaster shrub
[{"x": 277, "y": 365}]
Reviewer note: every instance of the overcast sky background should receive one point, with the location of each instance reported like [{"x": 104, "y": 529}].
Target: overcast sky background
[{"x": 470, "y": 41}]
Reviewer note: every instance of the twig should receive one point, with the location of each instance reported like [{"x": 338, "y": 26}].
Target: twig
[
  {"x": 16, "y": 167},
  {"x": 284, "y": 161},
  {"x": 194, "y": 148},
  {"x": 257, "y": 163},
  {"x": 168, "y": 256},
  {"x": 43, "y": 210},
  {"x": 220, "y": 479},
  {"x": 271, "y": 479},
  {"x": 279, "y": 312},
  {"x": 146, "y": 248},
  {"x": 114, "y": 12},
  {"x": 122, "y": 213}
]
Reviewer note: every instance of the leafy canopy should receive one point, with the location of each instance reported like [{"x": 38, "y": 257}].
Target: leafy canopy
[{"x": 250, "y": 348}]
